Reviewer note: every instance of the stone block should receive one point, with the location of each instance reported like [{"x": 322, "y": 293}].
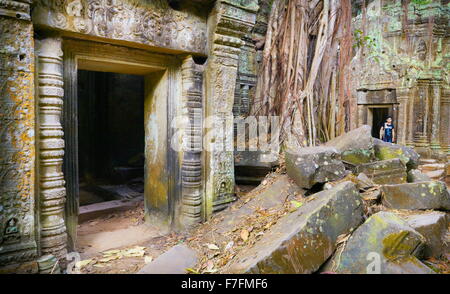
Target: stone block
[
  {"x": 175, "y": 261},
  {"x": 269, "y": 196},
  {"x": 356, "y": 147},
  {"x": 416, "y": 175},
  {"x": 303, "y": 240},
  {"x": 416, "y": 196},
  {"x": 313, "y": 165},
  {"x": 384, "y": 244},
  {"x": 391, "y": 171},
  {"x": 385, "y": 151},
  {"x": 433, "y": 225}
]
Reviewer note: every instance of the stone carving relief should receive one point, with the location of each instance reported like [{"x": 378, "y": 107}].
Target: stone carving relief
[
  {"x": 235, "y": 20},
  {"x": 421, "y": 50},
  {"x": 191, "y": 170},
  {"x": 11, "y": 233},
  {"x": 17, "y": 144},
  {"x": 152, "y": 23}
]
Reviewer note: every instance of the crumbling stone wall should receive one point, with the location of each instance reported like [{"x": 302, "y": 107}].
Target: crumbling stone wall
[{"x": 405, "y": 50}]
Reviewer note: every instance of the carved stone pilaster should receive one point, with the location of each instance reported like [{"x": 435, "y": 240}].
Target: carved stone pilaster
[
  {"x": 422, "y": 114},
  {"x": 191, "y": 169},
  {"x": 436, "y": 115},
  {"x": 17, "y": 141},
  {"x": 229, "y": 22},
  {"x": 51, "y": 178},
  {"x": 445, "y": 121},
  {"x": 402, "y": 128}
]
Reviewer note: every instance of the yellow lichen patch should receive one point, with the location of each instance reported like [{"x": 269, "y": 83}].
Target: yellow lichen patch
[{"x": 396, "y": 245}]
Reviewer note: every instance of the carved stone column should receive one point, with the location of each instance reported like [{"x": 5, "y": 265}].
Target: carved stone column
[
  {"x": 51, "y": 178},
  {"x": 229, "y": 21},
  {"x": 436, "y": 115},
  {"x": 191, "y": 169},
  {"x": 445, "y": 121},
  {"x": 18, "y": 246},
  {"x": 402, "y": 128},
  {"x": 422, "y": 114}
]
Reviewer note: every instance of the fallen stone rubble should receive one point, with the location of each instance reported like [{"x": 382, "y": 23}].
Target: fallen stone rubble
[{"x": 375, "y": 212}]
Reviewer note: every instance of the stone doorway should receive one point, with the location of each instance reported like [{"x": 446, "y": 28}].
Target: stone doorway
[
  {"x": 379, "y": 116},
  {"x": 110, "y": 139},
  {"x": 118, "y": 105}
]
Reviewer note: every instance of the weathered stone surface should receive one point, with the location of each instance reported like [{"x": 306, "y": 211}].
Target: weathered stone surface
[
  {"x": 364, "y": 182},
  {"x": 383, "y": 238},
  {"x": 151, "y": 23},
  {"x": 416, "y": 175},
  {"x": 385, "y": 151},
  {"x": 303, "y": 240},
  {"x": 175, "y": 261},
  {"x": 309, "y": 166},
  {"x": 356, "y": 146},
  {"x": 433, "y": 225},
  {"x": 17, "y": 136},
  {"x": 436, "y": 171},
  {"x": 252, "y": 166},
  {"x": 421, "y": 195},
  {"x": 391, "y": 171},
  {"x": 269, "y": 196}
]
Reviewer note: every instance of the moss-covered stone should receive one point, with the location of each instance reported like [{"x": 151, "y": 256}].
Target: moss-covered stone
[
  {"x": 416, "y": 175},
  {"x": 416, "y": 196},
  {"x": 384, "y": 244},
  {"x": 385, "y": 151},
  {"x": 433, "y": 225},
  {"x": 356, "y": 147},
  {"x": 303, "y": 240},
  {"x": 391, "y": 171}
]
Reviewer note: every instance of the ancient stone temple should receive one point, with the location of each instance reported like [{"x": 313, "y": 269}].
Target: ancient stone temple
[
  {"x": 116, "y": 98},
  {"x": 180, "y": 57},
  {"x": 403, "y": 70}
]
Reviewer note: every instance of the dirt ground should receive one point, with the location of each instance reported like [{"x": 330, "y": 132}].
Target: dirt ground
[{"x": 121, "y": 243}]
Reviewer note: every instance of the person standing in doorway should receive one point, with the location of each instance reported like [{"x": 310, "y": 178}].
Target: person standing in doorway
[{"x": 387, "y": 131}]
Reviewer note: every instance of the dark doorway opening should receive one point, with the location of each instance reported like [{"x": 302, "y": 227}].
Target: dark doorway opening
[
  {"x": 379, "y": 116},
  {"x": 111, "y": 137}
]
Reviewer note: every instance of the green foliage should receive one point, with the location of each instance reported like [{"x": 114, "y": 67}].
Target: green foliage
[
  {"x": 421, "y": 2},
  {"x": 362, "y": 40}
]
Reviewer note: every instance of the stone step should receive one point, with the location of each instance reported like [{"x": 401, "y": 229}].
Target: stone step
[
  {"x": 91, "y": 211},
  {"x": 437, "y": 175},
  {"x": 432, "y": 167},
  {"x": 427, "y": 161},
  {"x": 175, "y": 261}
]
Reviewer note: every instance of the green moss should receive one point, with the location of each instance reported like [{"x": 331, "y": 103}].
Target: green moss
[
  {"x": 358, "y": 156},
  {"x": 394, "y": 245}
]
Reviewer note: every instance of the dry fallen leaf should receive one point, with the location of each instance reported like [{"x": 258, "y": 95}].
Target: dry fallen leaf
[
  {"x": 229, "y": 246},
  {"x": 83, "y": 263},
  {"x": 213, "y": 247},
  {"x": 244, "y": 235},
  {"x": 110, "y": 258}
]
